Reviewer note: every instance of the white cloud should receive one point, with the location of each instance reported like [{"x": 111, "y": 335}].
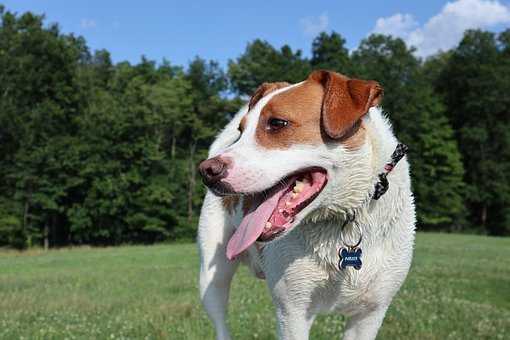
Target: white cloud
[
  {"x": 444, "y": 30},
  {"x": 87, "y": 23},
  {"x": 313, "y": 26},
  {"x": 398, "y": 25}
]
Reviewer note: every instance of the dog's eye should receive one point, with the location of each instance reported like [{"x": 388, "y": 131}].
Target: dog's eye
[{"x": 275, "y": 124}]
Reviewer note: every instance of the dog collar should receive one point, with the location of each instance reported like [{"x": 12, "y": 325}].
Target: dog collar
[
  {"x": 382, "y": 185},
  {"x": 350, "y": 254}
]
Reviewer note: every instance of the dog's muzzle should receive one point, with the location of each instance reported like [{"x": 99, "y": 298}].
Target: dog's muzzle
[{"x": 213, "y": 170}]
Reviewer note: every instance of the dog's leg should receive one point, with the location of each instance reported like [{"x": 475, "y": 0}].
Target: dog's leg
[
  {"x": 292, "y": 287},
  {"x": 216, "y": 271},
  {"x": 365, "y": 326},
  {"x": 294, "y": 325}
]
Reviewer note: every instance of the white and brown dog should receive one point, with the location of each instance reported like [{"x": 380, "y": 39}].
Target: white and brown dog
[{"x": 285, "y": 176}]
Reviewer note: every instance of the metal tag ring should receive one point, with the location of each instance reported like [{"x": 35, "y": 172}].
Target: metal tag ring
[{"x": 352, "y": 246}]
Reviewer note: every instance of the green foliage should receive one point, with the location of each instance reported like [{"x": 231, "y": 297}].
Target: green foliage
[
  {"x": 99, "y": 153},
  {"x": 329, "y": 53},
  {"x": 261, "y": 63},
  {"x": 475, "y": 84},
  {"x": 104, "y": 153},
  {"x": 389, "y": 61},
  {"x": 436, "y": 165},
  {"x": 11, "y": 227},
  {"x": 40, "y": 100}
]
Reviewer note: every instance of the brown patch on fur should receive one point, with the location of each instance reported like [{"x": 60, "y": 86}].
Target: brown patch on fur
[
  {"x": 248, "y": 202},
  {"x": 230, "y": 203},
  {"x": 345, "y": 100},
  {"x": 242, "y": 124},
  {"x": 301, "y": 107},
  {"x": 263, "y": 90},
  {"x": 327, "y": 107},
  {"x": 355, "y": 138}
]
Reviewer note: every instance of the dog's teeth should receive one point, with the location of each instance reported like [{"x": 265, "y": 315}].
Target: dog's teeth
[
  {"x": 288, "y": 204},
  {"x": 298, "y": 187},
  {"x": 294, "y": 195},
  {"x": 280, "y": 210},
  {"x": 268, "y": 225}
]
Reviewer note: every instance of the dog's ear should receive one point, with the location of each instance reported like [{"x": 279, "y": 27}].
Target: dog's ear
[
  {"x": 345, "y": 101},
  {"x": 264, "y": 90}
]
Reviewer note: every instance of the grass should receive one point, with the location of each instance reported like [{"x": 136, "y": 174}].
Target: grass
[{"x": 458, "y": 288}]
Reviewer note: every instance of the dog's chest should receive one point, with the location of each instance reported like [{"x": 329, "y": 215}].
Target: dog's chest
[
  {"x": 348, "y": 291},
  {"x": 307, "y": 274},
  {"x": 295, "y": 273}
]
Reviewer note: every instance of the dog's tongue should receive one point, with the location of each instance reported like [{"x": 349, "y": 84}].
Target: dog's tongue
[{"x": 252, "y": 226}]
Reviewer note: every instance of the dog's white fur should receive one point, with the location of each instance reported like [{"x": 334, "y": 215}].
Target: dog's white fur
[{"x": 301, "y": 267}]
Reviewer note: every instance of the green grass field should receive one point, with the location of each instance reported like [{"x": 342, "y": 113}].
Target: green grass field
[{"x": 458, "y": 288}]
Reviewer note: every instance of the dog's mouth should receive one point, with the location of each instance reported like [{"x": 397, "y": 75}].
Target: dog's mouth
[{"x": 276, "y": 208}]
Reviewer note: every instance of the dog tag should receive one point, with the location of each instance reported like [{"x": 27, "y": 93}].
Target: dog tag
[{"x": 349, "y": 257}]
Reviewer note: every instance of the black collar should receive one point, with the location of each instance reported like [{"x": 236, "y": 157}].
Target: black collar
[{"x": 382, "y": 185}]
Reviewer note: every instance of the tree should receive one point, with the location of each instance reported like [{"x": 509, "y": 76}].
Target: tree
[
  {"x": 436, "y": 167},
  {"x": 209, "y": 113},
  {"x": 40, "y": 98},
  {"x": 475, "y": 84},
  {"x": 261, "y": 63},
  {"x": 329, "y": 53},
  {"x": 389, "y": 61}
]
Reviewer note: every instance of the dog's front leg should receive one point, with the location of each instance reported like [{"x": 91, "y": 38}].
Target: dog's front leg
[
  {"x": 216, "y": 271},
  {"x": 294, "y": 324},
  {"x": 292, "y": 289},
  {"x": 364, "y": 326}
]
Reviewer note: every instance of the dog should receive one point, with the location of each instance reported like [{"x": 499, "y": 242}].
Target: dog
[{"x": 296, "y": 190}]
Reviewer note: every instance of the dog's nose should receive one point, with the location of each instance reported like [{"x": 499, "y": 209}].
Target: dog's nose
[{"x": 212, "y": 170}]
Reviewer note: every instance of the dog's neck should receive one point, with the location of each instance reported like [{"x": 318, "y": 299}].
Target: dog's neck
[{"x": 378, "y": 218}]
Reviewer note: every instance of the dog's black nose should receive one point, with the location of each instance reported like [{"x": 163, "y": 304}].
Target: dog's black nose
[{"x": 212, "y": 170}]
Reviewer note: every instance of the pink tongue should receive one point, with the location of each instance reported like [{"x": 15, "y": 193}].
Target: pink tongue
[{"x": 252, "y": 226}]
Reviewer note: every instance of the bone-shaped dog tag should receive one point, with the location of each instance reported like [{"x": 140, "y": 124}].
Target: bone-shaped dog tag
[{"x": 350, "y": 257}]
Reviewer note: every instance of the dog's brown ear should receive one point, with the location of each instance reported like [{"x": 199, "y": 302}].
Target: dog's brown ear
[
  {"x": 345, "y": 101},
  {"x": 264, "y": 90}
]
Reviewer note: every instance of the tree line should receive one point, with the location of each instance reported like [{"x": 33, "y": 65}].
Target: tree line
[{"x": 96, "y": 152}]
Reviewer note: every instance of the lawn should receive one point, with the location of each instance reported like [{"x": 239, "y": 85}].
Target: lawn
[{"x": 458, "y": 288}]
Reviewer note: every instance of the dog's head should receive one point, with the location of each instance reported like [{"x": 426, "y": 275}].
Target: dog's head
[{"x": 299, "y": 149}]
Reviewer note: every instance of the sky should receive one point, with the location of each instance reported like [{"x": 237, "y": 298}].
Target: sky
[{"x": 221, "y": 29}]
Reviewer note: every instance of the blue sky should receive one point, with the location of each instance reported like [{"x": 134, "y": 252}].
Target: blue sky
[{"x": 220, "y": 30}]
